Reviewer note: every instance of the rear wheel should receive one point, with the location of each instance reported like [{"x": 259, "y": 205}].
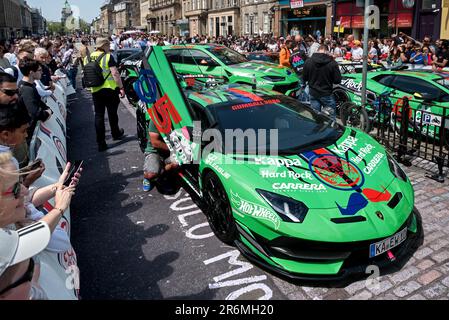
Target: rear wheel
[
  {"x": 340, "y": 97},
  {"x": 355, "y": 116},
  {"x": 218, "y": 209},
  {"x": 142, "y": 125}
]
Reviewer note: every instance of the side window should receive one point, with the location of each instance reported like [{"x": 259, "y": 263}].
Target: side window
[
  {"x": 173, "y": 56},
  {"x": 412, "y": 85},
  {"x": 194, "y": 56},
  {"x": 385, "y": 79}
]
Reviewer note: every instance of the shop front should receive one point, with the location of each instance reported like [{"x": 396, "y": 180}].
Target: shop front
[
  {"x": 304, "y": 17},
  {"x": 395, "y": 17}
]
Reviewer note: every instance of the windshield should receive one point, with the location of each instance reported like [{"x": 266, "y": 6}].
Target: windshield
[
  {"x": 227, "y": 56},
  {"x": 299, "y": 128}
]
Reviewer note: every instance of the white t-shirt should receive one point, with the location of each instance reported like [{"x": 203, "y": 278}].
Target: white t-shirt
[{"x": 357, "y": 53}]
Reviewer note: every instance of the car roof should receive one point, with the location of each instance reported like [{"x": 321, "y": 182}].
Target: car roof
[
  {"x": 194, "y": 46},
  {"x": 423, "y": 74}
]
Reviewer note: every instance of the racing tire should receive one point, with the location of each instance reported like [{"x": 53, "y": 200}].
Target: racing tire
[
  {"x": 355, "y": 116},
  {"x": 128, "y": 85},
  {"x": 218, "y": 209},
  {"x": 142, "y": 126}
]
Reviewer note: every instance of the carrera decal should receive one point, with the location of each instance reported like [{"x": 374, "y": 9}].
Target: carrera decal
[
  {"x": 372, "y": 166},
  {"x": 254, "y": 104},
  {"x": 162, "y": 112},
  {"x": 290, "y": 186},
  {"x": 254, "y": 210}
]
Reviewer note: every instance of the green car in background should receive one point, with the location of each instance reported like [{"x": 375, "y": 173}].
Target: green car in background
[
  {"x": 330, "y": 203},
  {"x": 220, "y": 61},
  {"x": 427, "y": 92}
]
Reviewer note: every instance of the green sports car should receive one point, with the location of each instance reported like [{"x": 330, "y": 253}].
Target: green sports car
[
  {"x": 325, "y": 202},
  {"x": 427, "y": 91},
  {"x": 220, "y": 61}
]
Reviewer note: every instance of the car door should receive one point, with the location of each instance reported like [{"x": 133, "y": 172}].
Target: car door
[{"x": 167, "y": 105}]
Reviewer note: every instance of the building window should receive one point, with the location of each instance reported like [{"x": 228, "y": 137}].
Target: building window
[
  {"x": 211, "y": 27},
  {"x": 256, "y": 23},
  {"x": 223, "y": 26},
  {"x": 229, "y": 19},
  {"x": 266, "y": 23},
  {"x": 246, "y": 23},
  {"x": 429, "y": 4}
]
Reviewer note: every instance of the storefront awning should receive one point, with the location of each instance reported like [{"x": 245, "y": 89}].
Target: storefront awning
[{"x": 304, "y": 19}]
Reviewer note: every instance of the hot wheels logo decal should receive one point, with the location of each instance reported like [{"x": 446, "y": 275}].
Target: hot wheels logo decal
[{"x": 254, "y": 210}]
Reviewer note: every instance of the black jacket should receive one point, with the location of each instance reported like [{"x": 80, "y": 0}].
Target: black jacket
[{"x": 321, "y": 72}]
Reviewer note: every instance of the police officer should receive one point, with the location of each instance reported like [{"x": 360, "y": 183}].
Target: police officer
[{"x": 106, "y": 96}]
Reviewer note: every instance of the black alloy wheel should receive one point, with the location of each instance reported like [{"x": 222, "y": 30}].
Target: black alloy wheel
[{"x": 218, "y": 209}]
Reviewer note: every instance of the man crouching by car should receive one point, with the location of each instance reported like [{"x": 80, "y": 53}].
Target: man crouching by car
[
  {"x": 157, "y": 159},
  {"x": 322, "y": 72}
]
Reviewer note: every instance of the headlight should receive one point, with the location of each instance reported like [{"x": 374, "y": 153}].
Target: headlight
[
  {"x": 287, "y": 208},
  {"x": 273, "y": 78},
  {"x": 395, "y": 169}
]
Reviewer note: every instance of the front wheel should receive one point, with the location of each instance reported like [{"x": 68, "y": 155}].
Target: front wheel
[
  {"x": 355, "y": 116},
  {"x": 218, "y": 209}
]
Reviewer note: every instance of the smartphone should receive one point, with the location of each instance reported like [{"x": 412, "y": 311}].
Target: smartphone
[
  {"x": 32, "y": 166},
  {"x": 74, "y": 169}
]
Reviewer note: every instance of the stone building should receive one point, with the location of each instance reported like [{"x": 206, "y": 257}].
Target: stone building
[
  {"x": 257, "y": 17},
  {"x": 10, "y": 19},
  {"x": 163, "y": 15}
]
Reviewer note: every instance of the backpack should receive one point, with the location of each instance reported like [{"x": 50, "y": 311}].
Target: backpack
[{"x": 92, "y": 72}]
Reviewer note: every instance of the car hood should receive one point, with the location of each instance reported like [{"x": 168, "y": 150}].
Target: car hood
[
  {"x": 260, "y": 69},
  {"x": 346, "y": 175}
]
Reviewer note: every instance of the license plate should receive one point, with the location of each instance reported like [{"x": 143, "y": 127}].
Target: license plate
[{"x": 383, "y": 246}]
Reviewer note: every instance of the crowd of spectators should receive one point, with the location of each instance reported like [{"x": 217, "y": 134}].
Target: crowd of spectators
[{"x": 27, "y": 75}]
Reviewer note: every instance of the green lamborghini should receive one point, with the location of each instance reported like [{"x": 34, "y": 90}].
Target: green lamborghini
[
  {"x": 220, "y": 61},
  {"x": 315, "y": 200}
]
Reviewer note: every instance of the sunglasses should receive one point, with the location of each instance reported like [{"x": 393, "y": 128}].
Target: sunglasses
[
  {"x": 10, "y": 92},
  {"x": 26, "y": 277},
  {"x": 15, "y": 191}
]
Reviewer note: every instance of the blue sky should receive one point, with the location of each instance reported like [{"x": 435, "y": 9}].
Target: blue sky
[{"x": 51, "y": 9}]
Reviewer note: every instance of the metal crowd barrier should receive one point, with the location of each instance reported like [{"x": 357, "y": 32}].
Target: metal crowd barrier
[
  {"x": 59, "y": 276},
  {"x": 421, "y": 132}
]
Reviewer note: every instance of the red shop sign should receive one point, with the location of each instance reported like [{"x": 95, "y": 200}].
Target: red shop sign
[{"x": 358, "y": 22}]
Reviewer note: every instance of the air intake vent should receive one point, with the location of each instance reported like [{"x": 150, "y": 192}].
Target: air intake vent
[
  {"x": 348, "y": 219},
  {"x": 394, "y": 202}
]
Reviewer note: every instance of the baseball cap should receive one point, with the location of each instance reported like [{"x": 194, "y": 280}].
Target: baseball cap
[
  {"x": 17, "y": 246},
  {"x": 101, "y": 42}
]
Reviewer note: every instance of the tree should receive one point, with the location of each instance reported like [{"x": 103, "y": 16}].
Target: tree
[{"x": 55, "y": 27}]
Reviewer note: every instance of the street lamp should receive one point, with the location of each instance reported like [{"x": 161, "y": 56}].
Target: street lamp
[{"x": 251, "y": 18}]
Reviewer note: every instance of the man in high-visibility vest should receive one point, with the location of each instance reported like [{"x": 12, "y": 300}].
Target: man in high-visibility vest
[{"x": 106, "y": 96}]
